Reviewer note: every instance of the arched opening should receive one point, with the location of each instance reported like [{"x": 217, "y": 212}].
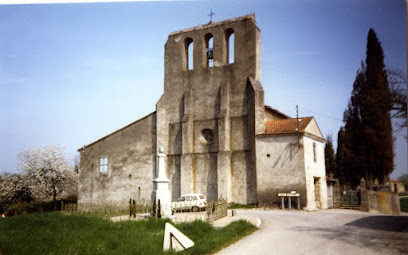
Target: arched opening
[
  {"x": 209, "y": 46},
  {"x": 230, "y": 38},
  {"x": 189, "y": 44}
]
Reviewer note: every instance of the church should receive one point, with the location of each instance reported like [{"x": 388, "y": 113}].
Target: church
[{"x": 219, "y": 137}]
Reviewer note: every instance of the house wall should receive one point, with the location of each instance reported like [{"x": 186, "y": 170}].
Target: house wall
[
  {"x": 131, "y": 165},
  {"x": 281, "y": 172},
  {"x": 315, "y": 170},
  {"x": 397, "y": 186}
]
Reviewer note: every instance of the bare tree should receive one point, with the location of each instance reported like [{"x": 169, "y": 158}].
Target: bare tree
[{"x": 397, "y": 80}]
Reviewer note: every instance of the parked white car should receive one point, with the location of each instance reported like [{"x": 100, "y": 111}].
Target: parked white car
[{"x": 194, "y": 202}]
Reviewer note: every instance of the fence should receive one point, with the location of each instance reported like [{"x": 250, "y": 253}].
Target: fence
[{"x": 214, "y": 210}]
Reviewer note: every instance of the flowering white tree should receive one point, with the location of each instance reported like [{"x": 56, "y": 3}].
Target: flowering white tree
[
  {"x": 14, "y": 188},
  {"x": 48, "y": 169}
]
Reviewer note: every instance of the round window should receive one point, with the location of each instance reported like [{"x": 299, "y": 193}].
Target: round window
[{"x": 207, "y": 136}]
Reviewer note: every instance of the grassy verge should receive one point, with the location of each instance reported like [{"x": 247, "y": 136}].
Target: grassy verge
[
  {"x": 404, "y": 204},
  {"x": 56, "y": 233},
  {"x": 241, "y": 206}
]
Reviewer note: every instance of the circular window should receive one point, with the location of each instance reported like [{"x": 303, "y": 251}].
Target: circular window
[{"x": 207, "y": 136}]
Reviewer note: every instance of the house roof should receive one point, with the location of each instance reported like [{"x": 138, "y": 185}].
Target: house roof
[
  {"x": 114, "y": 132},
  {"x": 286, "y": 126},
  {"x": 276, "y": 112}
]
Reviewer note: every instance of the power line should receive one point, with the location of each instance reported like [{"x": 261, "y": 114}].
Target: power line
[{"x": 323, "y": 115}]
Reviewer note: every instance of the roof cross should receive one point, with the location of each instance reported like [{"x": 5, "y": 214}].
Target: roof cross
[{"x": 211, "y": 15}]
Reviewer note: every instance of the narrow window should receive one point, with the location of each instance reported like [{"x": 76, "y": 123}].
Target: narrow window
[
  {"x": 314, "y": 152},
  {"x": 189, "y": 53},
  {"x": 209, "y": 46},
  {"x": 230, "y": 45},
  {"x": 103, "y": 165}
]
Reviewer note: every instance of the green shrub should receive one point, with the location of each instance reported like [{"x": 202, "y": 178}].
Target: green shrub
[{"x": 404, "y": 204}]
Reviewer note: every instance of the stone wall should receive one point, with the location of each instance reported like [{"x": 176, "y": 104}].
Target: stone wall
[
  {"x": 207, "y": 116},
  {"x": 382, "y": 202},
  {"x": 131, "y": 165}
]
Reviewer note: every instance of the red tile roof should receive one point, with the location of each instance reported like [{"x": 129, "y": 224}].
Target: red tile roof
[{"x": 286, "y": 126}]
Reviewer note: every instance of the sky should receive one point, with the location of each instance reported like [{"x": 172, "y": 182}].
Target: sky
[{"x": 73, "y": 73}]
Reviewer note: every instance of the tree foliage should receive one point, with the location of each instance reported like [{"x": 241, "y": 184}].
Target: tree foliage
[
  {"x": 339, "y": 174},
  {"x": 404, "y": 179},
  {"x": 367, "y": 143},
  {"x": 375, "y": 107},
  {"x": 329, "y": 156},
  {"x": 353, "y": 144},
  {"x": 49, "y": 171}
]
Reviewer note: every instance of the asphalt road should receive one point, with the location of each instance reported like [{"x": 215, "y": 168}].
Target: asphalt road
[{"x": 324, "y": 232}]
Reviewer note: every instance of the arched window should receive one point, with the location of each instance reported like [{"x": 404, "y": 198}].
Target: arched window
[
  {"x": 209, "y": 46},
  {"x": 230, "y": 38},
  {"x": 189, "y": 44}
]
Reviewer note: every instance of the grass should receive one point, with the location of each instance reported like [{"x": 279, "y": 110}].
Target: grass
[
  {"x": 57, "y": 233},
  {"x": 241, "y": 206},
  {"x": 404, "y": 204}
]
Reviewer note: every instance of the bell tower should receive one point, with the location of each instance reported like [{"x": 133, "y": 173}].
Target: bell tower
[{"x": 211, "y": 109}]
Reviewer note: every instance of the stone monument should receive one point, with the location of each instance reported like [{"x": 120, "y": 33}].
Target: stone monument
[{"x": 161, "y": 186}]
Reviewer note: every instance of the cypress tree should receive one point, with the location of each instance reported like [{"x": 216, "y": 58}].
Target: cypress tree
[
  {"x": 374, "y": 100},
  {"x": 339, "y": 174},
  {"x": 329, "y": 156},
  {"x": 354, "y": 165}
]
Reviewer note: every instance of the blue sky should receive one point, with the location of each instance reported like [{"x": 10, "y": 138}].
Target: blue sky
[{"x": 72, "y": 73}]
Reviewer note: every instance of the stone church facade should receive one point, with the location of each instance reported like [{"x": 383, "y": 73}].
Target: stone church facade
[{"x": 213, "y": 125}]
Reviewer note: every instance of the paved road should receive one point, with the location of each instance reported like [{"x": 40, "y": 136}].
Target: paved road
[{"x": 324, "y": 232}]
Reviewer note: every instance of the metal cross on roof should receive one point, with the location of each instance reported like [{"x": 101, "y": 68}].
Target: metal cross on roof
[{"x": 211, "y": 15}]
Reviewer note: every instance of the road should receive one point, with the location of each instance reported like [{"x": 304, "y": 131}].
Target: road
[{"x": 324, "y": 232}]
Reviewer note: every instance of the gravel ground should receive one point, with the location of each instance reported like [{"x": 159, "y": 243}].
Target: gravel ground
[{"x": 324, "y": 232}]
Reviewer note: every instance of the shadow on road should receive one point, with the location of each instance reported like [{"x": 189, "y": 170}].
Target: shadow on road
[
  {"x": 384, "y": 223},
  {"x": 379, "y": 233}
]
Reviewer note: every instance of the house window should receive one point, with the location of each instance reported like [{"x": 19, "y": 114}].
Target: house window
[
  {"x": 209, "y": 46},
  {"x": 314, "y": 152},
  {"x": 189, "y": 53},
  {"x": 230, "y": 38},
  {"x": 103, "y": 165}
]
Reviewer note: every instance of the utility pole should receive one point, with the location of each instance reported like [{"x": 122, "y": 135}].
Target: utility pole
[{"x": 297, "y": 124}]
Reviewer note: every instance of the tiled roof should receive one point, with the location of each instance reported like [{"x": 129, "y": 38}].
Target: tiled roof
[{"x": 286, "y": 126}]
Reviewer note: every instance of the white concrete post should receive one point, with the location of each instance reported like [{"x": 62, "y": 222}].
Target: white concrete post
[{"x": 162, "y": 191}]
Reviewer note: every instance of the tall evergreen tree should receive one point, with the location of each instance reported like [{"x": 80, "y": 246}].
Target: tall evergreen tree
[
  {"x": 340, "y": 156},
  {"x": 375, "y": 106},
  {"x": 329, "y": 156},
  {"x": 354, "y": 165}
]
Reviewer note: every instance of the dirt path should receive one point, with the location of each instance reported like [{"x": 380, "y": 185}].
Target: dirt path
[{"x": 325, "y": 232}]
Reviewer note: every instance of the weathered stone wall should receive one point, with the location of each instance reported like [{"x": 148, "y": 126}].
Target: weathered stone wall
[
  {"x": 382, "y": 202},
  {"x": 205, "y": 117},
  {"x": 280, "y": 168},
  {"x": 315, "y": 174},
  {"x": 131, "y": 165}
]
